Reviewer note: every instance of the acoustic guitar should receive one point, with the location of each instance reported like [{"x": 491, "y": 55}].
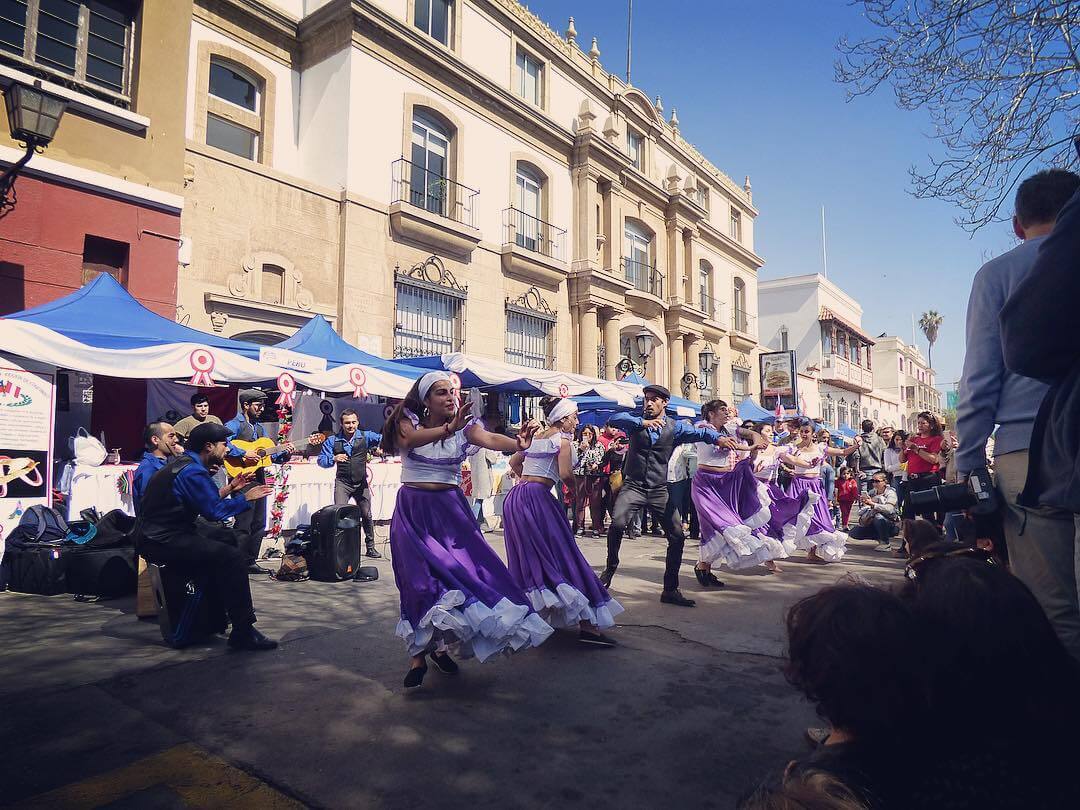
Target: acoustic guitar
[{"x": 264, "y": 448}]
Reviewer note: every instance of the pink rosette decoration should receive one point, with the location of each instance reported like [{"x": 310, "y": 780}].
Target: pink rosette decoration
[
  {"x": 202, "y": 363},
  {"x": 564, "y": 391},
  {"x": 357, "y": 377},
  {"x": 455, "y": 381},
  {"x": 286, "y": 390}
]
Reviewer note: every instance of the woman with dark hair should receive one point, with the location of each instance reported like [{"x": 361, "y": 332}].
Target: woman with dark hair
[
  {"x": 922, "y": 454},
  {"x": 1003, "y": 689},
  {"x": 819, "y": 537},
  {"x": 454, "y": 588},
  {"x": 732, "y": 505},
  {"x": 589, "y": 481},
  {"x": 542, "y": 556},
  {"x": 894, "y": 464}
]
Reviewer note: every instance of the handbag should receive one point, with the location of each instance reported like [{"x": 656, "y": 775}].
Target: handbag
[
  {"x": 615, "y": 481},
  {"x": 866, "y": 516},
  {"x": 88, "y": 450}
]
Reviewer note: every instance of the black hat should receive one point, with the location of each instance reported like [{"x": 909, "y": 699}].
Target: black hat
[
  {"x": 658, "y": 390},
  {"x": 197, "y": 398},
  {"x": 249, "y": 395},
  {"x": 204, "y": 434}
]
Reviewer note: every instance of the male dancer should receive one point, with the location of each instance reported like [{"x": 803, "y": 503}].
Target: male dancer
[
  {"x": 348, "y": 450},
  {"x": 653, "y": 436}
]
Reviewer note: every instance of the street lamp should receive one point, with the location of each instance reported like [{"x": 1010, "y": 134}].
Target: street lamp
[
  {"x": 33, "y": 117},
  {"x": 625, "y": 368},
  {"x": 644, "y": 340}
]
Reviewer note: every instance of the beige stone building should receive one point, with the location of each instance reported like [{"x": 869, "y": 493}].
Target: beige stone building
[
  {"x": 903, "y": 371},
  {"x": 453, "y": 175}
]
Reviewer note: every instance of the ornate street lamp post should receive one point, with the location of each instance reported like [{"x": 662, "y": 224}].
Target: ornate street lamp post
[{"x": 33, "y": 117}]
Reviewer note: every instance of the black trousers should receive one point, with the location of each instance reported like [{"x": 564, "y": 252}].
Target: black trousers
[
  {"x": 360, "y": 494},
  {"x": 250, "y": 526},
  {"x": 633, "y": 498},
  {"x": 881, "y": 529},
  {"x": 678, "y": 505},
  {"x": 213, "y": 553}
]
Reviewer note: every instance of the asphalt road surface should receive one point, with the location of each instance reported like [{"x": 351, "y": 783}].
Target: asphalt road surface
[{"x": 690, "y": 710}]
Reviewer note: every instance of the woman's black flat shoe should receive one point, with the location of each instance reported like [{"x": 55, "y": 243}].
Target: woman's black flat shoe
[
  {"x": 444, "y": 663},
  {"x": 415, "y": 677}
]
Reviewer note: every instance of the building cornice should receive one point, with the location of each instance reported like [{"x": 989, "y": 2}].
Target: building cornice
[
  {"x": 720, "y": 240},
  {"x": 256, "y": 24}
]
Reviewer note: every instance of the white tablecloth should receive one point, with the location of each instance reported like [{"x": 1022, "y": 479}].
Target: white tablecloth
[
  {"x": 96, "y": 486},
  {"x": 311, "y": 487}
]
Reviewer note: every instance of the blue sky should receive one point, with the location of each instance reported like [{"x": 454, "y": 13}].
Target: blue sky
[{"x": 753, "y": 85}]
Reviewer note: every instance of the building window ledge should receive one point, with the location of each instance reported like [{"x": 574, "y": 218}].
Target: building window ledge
[
  {"x": 532, "y": 267},
  {"x": 644, "y": 303},
  {"x": 80, "y": 103},
  {"x": 440, "y": 234},
  {"x": 261, "y": 311}
]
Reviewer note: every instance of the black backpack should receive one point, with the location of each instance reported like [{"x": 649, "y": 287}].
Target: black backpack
[{"x": 40, "y": 524}]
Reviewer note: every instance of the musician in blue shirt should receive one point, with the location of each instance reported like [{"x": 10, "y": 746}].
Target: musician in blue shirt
[
  {"x": 160, "y": 441},
  {"x": 168, "y": 532},
  {"x": 348, "y": 451},
  {"x": 245, "y": 426}
]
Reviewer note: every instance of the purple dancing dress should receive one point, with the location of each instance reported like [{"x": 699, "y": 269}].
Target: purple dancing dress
[
  {"x": 541, "y": 554},
  {"x": 733, "y": 510},
  {"x": 454, "y": 588},
  {"x": 812, "y": 526}
]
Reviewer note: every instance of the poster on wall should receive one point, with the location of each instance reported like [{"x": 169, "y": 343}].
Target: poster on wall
[
  {"x": 26, "y": 426},
  {"x": 778, "y": 380}
]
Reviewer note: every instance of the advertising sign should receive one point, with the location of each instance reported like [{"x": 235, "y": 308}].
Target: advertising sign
[
  {"x": 778, "y": 380},
  {"x": 26, "y": 414}
]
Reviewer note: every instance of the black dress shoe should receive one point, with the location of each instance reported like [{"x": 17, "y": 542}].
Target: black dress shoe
[
  {"x": 249, "y": 638},
  {"x": 707, "y": 579},
  {"x": 255, "y": 569},
  {"x": 444, "y": 663},
  {"x": 606, "y": 577},
  {"x": 675, "y": 597},
  {"x": 372, "y": 552},
  {"x": 415, "y": 677},
  {"x": 595, "y": 639}
]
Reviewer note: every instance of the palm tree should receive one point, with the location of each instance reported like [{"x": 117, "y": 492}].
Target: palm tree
[{"x": 930, "y": 322}]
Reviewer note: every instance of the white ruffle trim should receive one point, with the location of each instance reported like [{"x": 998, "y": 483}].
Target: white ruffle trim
[
  {"x": 738, "y": 547},
  {"x": 566, "y": 606},
  {"x": 830, "y": 545},
  {"x": 762, "y": 515},
  {"x": 476, "y": 630}
]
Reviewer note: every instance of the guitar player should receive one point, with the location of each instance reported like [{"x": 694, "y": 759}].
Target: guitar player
[
  {"x": 251, "y": 525},
  {"x": 348, "y": 451}
]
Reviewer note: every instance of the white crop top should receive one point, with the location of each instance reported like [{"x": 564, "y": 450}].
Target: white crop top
[
  {"x": 709, "y": 455},
  {"x": 438, "y": 462},
  {"x": 542, "y": 458}
]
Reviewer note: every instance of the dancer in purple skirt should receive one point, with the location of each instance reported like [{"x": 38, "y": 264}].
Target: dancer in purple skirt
[
  {"x": 733, "y": 506},
  {"x": 821, "y": 539},
  {"x": 454, "y": 588},
  {"x": 541, "y": 553},
  {"x": 785, "y": 511}
]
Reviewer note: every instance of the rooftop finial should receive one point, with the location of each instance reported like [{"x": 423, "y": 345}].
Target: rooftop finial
[
  {"x": 659, "y": 107},
  {"x": 674, "y": 118},
  {"x": 571, "y": 32},
  {"x": 594, "y": 51}
]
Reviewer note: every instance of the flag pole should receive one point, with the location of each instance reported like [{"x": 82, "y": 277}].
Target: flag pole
[
  {"x": 629, "y": 30},
  {"x": 824, "y": 255}
]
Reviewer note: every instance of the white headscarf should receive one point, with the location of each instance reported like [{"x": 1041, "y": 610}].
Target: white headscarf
[
  {"x": 429, "y": 380},
  {"x": 563, "y": 408}
]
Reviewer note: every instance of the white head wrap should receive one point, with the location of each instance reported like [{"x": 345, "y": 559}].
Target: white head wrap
[
  {"x": 429, "y": 380},
  {"x": 563, "y": 408}
]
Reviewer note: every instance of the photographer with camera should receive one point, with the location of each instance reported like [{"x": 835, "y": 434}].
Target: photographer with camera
[
  {"x": 922, "y": 454},
  {"x": 1032, "y": 338}
]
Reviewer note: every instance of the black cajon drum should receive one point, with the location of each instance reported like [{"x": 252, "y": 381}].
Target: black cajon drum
[{"x": 189, "y": 608}]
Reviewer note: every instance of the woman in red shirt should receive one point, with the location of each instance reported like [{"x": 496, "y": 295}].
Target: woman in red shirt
[{"x": 922, "y": 453}]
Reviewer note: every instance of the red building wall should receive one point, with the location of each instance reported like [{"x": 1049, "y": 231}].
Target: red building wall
[{"x": 42, "y": 239}]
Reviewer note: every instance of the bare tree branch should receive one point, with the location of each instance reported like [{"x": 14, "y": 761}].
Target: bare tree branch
[{"x": 999, "y": 80}]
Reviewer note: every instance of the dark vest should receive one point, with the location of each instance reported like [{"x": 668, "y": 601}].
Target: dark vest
[
  {"x": 161, "y": 513},
  {"x": 246, "y": 433},
  {"x": 353, "y": 471},
  {"x": 646, "y": 464}
]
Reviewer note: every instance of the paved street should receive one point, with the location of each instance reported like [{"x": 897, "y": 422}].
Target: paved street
[{"x": 689, "y": 711}]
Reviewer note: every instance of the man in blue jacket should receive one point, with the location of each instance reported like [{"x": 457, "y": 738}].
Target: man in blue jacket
[
  {"x": 168, "y": 532},
  {"x": 348, "y": 451},
  {"x": 1040, "y": 339},
  {"x": 246, "y": 426},
  {"x": 161, "y": 444}
]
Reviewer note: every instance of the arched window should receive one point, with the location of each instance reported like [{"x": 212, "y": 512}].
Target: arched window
[
  {"x": 429, "y": 173},
  {"x": 272, "y": 283},
  {"x": 738, "y": 303},
  {"x": 528, "y": 203},
  {"x": 637, "y": 259},
  {"x": 705, "y": 284},
  {"x": 234, "y": 117}
]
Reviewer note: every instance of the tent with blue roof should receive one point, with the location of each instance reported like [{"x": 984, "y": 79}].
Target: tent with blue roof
[
  {"x": 318, "y": 338},
  {"x": 748, "y": 409}
]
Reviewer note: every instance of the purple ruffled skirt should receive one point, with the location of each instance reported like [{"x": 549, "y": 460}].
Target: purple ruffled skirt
[
  {"x": 454, "y": 588},
  {"x": 808, "y": 523},
  {"x": 733, "y": 511},
  {"x": 547, "y": 564}
]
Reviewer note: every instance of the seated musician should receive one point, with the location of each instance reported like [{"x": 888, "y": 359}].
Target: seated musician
[
  {"x": 161, "y": 443},
  {"x": 168, "y": 532},
  {"x": 246, "y": 427},
  {"x": 348, "y": 451},
  {"x": 200, "y": 412}
]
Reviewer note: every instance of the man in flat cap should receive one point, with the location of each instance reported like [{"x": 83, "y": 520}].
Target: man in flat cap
[
  {"x": 653, "y": 436},
  {"x": 246, "y": 426},
  {"x": 168, "y": 531}
]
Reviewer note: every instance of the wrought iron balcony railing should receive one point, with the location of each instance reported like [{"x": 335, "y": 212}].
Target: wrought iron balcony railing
[
  {"x": 419, "y": 186},
  {"x": 531, "y": 233}
]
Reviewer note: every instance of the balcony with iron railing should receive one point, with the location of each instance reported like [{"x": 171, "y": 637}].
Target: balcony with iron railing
[
  {"x": 743, "y": 329},
  {"x": 532, "y": 249},
  {"x": 432, "y": 209},
  {"x": 643, "y": 276}
]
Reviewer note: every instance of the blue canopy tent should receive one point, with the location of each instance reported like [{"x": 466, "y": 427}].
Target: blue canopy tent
[
  {"x": 677, "y": 406},
  {"x": 748, "y": 409},
  {"x": 106, "y": 316},
  {"x": 844, "y": 431},
  {"x": 318, "y": 338}
]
